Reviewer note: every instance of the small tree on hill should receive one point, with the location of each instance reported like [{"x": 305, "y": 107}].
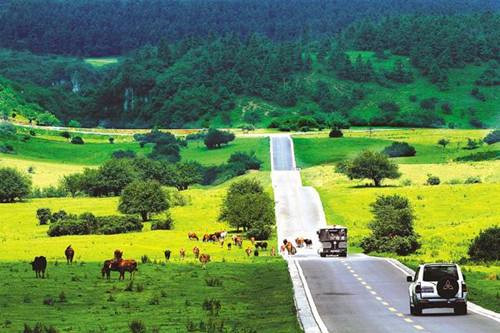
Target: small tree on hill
[
  {"x": 371, "y": 165},
  {"x": 13, "y": 185},
  {"x": 443, "y": 142},
  {"x": 185, "y": 174},
  {"x": 215, "y": 138},
  {"x": 392, "y": 226},
  {"x": 77, "y": 140},
  {"x": 43, "y": 215},
  {"x": 247, "y": 206},
  {"x": 144, "y": 198},
  {"x": 486, "y": 246}
]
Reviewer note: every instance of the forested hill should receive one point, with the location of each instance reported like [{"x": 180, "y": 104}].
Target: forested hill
[{"x": 113, "y": 27}]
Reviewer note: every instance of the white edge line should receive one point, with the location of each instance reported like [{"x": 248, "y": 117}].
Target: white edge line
[
  {"x": 310, "y": 300},
  {"x": 271, "y": 151},
  {"x": 472, "y": 306},
  {"x": 293, "y": 152}
]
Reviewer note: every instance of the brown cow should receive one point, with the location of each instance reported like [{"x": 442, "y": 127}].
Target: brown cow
[
  {"x": 39, "y": 265},
  {"x": 182, "y": 253},
  {"x": 299, "y": 241},
  {"x": 105, "y": 269},
  {"x": 238, "y": 241},
  {"x": 196, "y": 252},
  {"x": 204, "y": 259},
  {"x": 248, "y": 251},
  {"x": 273, "y": 252},
  {"x": 221, "y": 242},
  {"x": 252, "y": 239},
  {"x": 118, "y": 254},
  {"x": 206, "y": 237},
  {"x": 122, "y": 266},
  {"x": 69, "y": 253},
  {"x": 192, "y": 236}
]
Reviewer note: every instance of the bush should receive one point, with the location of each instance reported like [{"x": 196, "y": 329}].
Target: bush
[
  {"x": 117, "y": 154},
  {"x": 137, "y": 326},
  {"x": 492, "y": 137},
  {"x": 473, "y": 144},
  {"x": 49, "y": 192},
  {"x": 43, "y": 215},
  {"x": 473, "y": 180},
  {"x": 486, "y": 246},
  {"x": 260, "y": 232},
  {"x": 58, "y": 216},
  {"x": 166, "y": 224},
  {"x": 77, "y": 140},
  {"x": 65, "y": 134},
  {"x": 249, "y": 160},
  {"x": 215, "y": 138},
  {"x": 6, "y": 148},
  {"x": 428, "y": 103},
  {"x": 335, "y": 133},
  {"x": 433, "y": 180},
  {"x": 398, "y": 149},
  {"x": 392, "y": 226},
  {"x": 446, "y": 107},
  {"x": 7, "y": 130},
  {"x": 87, "y": 223},
  {"x": 13, "y": 185}
]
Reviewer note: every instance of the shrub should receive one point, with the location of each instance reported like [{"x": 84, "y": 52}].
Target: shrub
[
  {"x": 123, "y": 154},
  {"x": 428, "y": 103},
  {"x": 87, "y": 223},
  {"x": 397, "y": 149},
  {"x": 65, "y": 134},
  {"x": 116, "y": 224},
  {"x": 166, "y": 224},
  {"x": 49, "y": 192},
  {"x": 392, "y": 226},
  {"x": 473, "y": 144},
  {"x": 249, "y": 160},
  {"x": 7, "y": 130},
  {"x": 13, "y": 185},
  {"x": 443, "y": 142},
  {"x": 473, "y": 180},
  {"x": 145, "y": 259},
  {"x": 43, "y": 215},
  {"x": 77, "y": 140},
  {"x": 213, "y": 282},
  {"x": 215, "y": 138},
  {"x": 212, "y": 305},
  {"x": 6, "y": 148},
  {"x": 492, "y": 137},
  {"x": 48, "y": 301},
  {"x": 335, "y": 133},
  {"x": 137, "y": 326},
  {"x": 111, "y": 140},
  {"x": 62, "y": 297},
  {"x": 32, "y": 133},
  {"x": 58, "y": 216},
  {"x": 486, "y": 246},
  {"x": 74, "y": 123},
  {"x": 433, "y": 180}
]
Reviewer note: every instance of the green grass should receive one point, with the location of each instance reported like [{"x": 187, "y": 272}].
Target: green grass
[
  {"x": 318, "y": 149},
  {"x": 448, "y": 216},
  {"x": 101, "y": 62},
  {"x": 182, "y": 280},
  {"x": 95, "y": 305}
]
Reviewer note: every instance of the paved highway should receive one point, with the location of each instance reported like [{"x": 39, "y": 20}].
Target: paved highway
[{"x": 358, "y": 293}]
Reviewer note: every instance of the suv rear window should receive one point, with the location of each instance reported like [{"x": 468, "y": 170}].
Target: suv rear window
[{"x": 436, "y": 273}]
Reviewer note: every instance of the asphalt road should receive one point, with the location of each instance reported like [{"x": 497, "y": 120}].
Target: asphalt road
[{"x": 358, "y": 293}]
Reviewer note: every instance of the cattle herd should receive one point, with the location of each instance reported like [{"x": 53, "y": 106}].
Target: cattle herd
[{"x": 118, "y": 264}]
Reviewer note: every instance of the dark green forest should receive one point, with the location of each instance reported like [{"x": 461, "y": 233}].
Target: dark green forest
[{"x": 286, "y": 64}]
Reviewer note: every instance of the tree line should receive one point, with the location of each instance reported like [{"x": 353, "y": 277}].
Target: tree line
[{"x": 91, "y": 27}]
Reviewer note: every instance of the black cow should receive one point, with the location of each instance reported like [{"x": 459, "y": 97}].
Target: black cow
[
  {"x": 308, "y": 242},
  {"x": 167, "y": 255},
  {"x": 39, "y": 265},
  {"x": 261, "y": 245}
]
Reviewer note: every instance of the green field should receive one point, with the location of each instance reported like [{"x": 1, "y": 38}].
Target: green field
[
  {"x": 317, "y": 149},
  {"x": 449, "y": 215},
  {"x": 182, "y": 281},
  {"x": 102, "y": 61}
]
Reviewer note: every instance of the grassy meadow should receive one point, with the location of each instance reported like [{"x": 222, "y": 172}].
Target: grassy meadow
[
  {"x": 449, "y": 215},
  {"x": 173, "y": 292}
]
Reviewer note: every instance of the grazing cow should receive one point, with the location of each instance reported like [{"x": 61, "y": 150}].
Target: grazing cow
[
  {"x": 196, "y": 252},
  {"x": 206, "y": 237},
  {"x": 204, "y": 259},
  {"x": 256, "y": 253},
  {"x": 118, "y": 254},
  {"x": 252, "y": 239},
  {"x": 229, "y": 246},
  {"x": 273, "y": 252},
  {"x": 193, "y": 236},
  {"x": 167, "y": 255},
  {"x": 221, "y": 242},
  {"x": 122, "y": 266},
  {"x": 105, "y": 271},
  {"x": 238, "y": 241},
  {"x": 261, "y": 245},
  {"x": 182, "y": 253},
  {"x": 308, "y": 242},
  {"x": 39, "y": 265},
  {"x": 290, "y": 248},
  {"x": 248, "y": 251},
  {"x": 69, "y": 253},
  {"x": 299, "y": 241}
]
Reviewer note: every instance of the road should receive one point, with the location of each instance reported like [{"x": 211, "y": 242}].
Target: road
[{"x": 358, "y": 293}]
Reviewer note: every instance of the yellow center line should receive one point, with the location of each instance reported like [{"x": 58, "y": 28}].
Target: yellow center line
[
  {"x": 418, "y": 327},
  {"x": 408, "y": 320}
]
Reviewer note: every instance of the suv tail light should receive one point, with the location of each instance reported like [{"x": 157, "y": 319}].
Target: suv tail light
[
  {"x": 464, "y": 288},
  {"x": 418, "y": 288}
]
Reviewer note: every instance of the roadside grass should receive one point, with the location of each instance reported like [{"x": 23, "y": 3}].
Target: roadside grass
[
  {"x": 317, "y": 148},
  {"x": 449, "y": 216},
  {"x": 173, "y": 292},
  {"x": 255, "y": 296}
]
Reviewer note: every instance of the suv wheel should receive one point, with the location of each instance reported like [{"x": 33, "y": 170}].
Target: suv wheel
[
  {"x": 322, "y": 255},
  {"x": 415, "y": 310},
  {"x": 460, "y": 309}
]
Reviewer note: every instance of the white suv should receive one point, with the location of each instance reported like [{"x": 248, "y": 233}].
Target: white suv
[{"x": 438, "y": 286}]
